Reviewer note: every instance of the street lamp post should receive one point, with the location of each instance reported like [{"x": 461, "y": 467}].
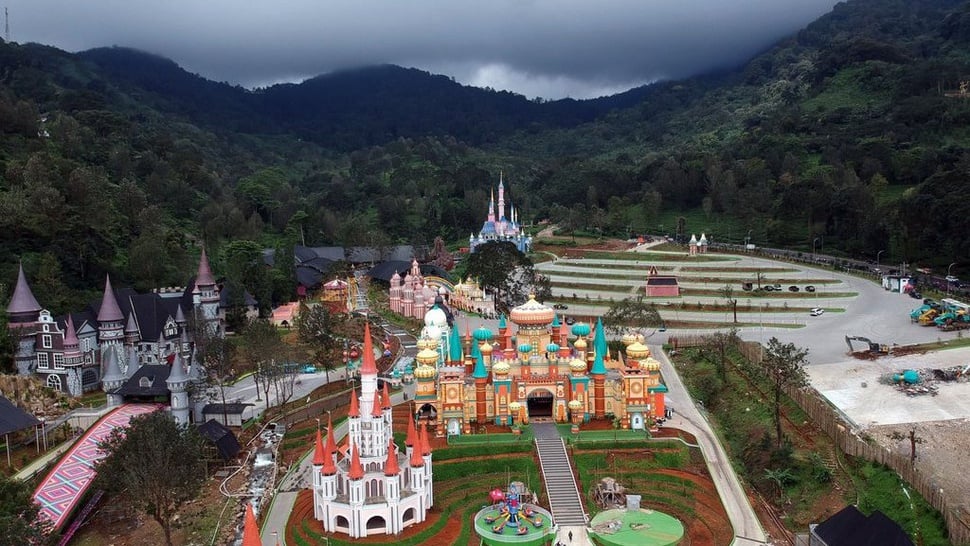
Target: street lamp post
[
  {"x": 948, "y": 277},
  {"x": 814, "y": 241},
  {"x": 877, "y": 257},
  {"x": 747, "y": 239}
]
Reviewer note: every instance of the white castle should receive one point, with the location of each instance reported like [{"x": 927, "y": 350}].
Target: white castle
[{"x": 367, "y": 486}]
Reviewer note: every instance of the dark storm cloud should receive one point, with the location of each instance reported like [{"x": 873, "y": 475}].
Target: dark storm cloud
[{"x": 550, "y": 48}]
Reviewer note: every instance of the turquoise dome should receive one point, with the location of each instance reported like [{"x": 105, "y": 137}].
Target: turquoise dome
[
  {"x": 483, "y": 334},
  {"x": 525, "y": 348},
  {"x": 552, "y": 348},
  {"x": 581, "y": 329}
]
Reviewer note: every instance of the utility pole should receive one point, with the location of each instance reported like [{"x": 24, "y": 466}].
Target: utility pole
[{"x": 6, "y": 25}]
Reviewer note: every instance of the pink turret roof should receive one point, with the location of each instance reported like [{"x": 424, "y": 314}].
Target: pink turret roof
[
  {"x": 109, "y": 311},
  {"x": 250, "y": 529},
  {"x": 369, "y": 367},
  {"x": 331, "y": 445},
  {"x": 131, "y": 327},
  {"x": 23, "y": 300},
  {"x": 354, "y": 405},
  {"x": 390, "y": 465},
  {"x": 356, "y": 469},
  {"x": 318, "y": 455},
  {"x": 204, "y": 276},
  {"x": 71, "y": 342}
]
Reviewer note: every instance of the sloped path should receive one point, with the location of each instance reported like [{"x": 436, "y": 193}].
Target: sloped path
[
  {"x": 65, "y": 485},
  {"x": 564, "y": 500}
]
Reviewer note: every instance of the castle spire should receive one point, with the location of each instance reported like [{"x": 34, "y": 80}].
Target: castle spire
[
  {"x": 369, "y": 367},
  {"x": 204, "y": 276},
  {"x": 390, "y": 465},
  {"x": 377, "y": 411},
  {"x": 23, "y": 305},
  {"x": 425, "y": 444},
  {"x": 356, "y": 469},
  {"x": 109, "y": 311},
  {"x": 491, "y": 208},
  {"x": 386, "y": 398},
  {"x": 416, "y": 459},
  {"x": 331, "y": 445},
  {"x": 250, "y": 528},
  {"x": 412, "y": 432},
  {"x": 354, "y": 405},
  {"x": 71, "y": 343},
  {"x": 318, "y": 454}
]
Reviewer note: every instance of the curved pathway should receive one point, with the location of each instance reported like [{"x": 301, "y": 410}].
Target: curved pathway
[{"x": 67, "y": 482}]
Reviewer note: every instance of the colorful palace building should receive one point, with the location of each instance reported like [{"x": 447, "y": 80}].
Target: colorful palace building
[
  {"x": 533, "y": 367},
  {"x": 367, "y": 487},
  {"x": 499, "y": 227}
]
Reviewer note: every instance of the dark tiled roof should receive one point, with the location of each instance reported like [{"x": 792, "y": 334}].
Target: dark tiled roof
[
  {"x": 385, "y": 270},
  {"x": 232, "y": 408},
  {"x": 225, "y": 441},
  {"x": 661, "y": 281},
  {"x": 850, "y": 527},
  {"x": 13, "y": 418},
  {"x": 155, "y": 375},
  {"x": 23, "y": 301}
]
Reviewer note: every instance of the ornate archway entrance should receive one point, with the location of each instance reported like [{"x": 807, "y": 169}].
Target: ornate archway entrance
[{"x": 539, "y": 403}]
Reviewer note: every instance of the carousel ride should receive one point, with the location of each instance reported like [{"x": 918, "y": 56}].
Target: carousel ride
[{"x": 513, "y": 517}]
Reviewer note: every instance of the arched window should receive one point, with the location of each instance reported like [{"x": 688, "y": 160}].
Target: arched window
[{"x": 54, "y": 382}]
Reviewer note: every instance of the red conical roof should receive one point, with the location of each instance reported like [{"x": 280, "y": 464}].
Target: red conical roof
[
  {"x": 425, "y": 445},
  {"x": 376, "y": 411},
  {"x": 416, "y": 459},
  {"x": 390, "y": 465},
  {"x": 412, "y": 433},
  {"x": 369, "y": 367},
  {"x": 354, "y": 406},
  {"x": 23, "y": 301},
  {"x": 250, "y": 529},
  {"x": 331, "y": 445},
  {"x": 387, "y": 397},
  {"x": 318, "y": 456},
  {"x": 356, "y": 469},
  {"x": 109, "y": 311},
  {"x": 204, "y": 276}
]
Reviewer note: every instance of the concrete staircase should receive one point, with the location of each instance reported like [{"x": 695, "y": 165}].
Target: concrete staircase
[{"x": 564, "y": 499}]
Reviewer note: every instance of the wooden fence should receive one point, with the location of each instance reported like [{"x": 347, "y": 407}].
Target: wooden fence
[{"x": 840, "y": 428}]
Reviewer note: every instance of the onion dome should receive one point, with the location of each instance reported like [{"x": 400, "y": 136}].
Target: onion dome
[
  {"x": 581, "y": 329},
  {"x": 436, "y": 317},
  {"x": 501, "y": 368},
  {"x": 552, "y": 348},
  {"x": 425, "y": 372},
  {"x": 577, "y": 366},
  {"x": 525, "y": 348},
  {"x": 427, "y": 357},
  {"x": 356, "y": 469},
  {"x": 580, "y": 343},
  {"x": 390, "y": 465},
  {"x": 433, "y": 333},
  {"x": 637, "y": 351},
  {"x": 486, "y": 348},
  {"x": 575, "y": 405},
  {"x": 318, "y": 458},
  {"x": 424, "y": 343},
  {"x": 640, "y": 338},
  {"x": 483, "y": 334},
  {"x": 628, "y": 339},
  {"x": 532, "y": 313},
  {"x": 651, "y": 365},
  {"x": 514, "y": 407}
]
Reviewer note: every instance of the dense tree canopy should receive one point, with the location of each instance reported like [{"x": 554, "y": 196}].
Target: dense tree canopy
[{"x": 20, "y": 520}]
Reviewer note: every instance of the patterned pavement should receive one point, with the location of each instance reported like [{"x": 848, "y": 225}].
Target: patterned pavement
[{"x": 64, "y": 486}]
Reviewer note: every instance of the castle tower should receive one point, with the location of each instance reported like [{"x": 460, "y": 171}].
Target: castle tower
[
  {"x": 132, "y": 335},
  {"x": 491, "y": 208},
  {"x": 250, "y": 528},
  {"x": 368, "y": 371},
  {"x": 113, "y": 379},
  {"x": 205, "y": 295},
  {"x": 392, "y": 487},
  {"x": 501, "y": 198},
  {"x": 73, "y": 359},
  {"x": 481, "y": 378},
  {"x": 178, "y": 385},
  {"x": 111, "y": 321},
  {"x": 692, "y": 245},
  {"x": 23, "y": 311},
  {"x": 353, "y": 420},
  {"x": 319, "y": 458}
]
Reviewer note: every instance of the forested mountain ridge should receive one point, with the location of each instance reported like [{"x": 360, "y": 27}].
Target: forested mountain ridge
[{"x": 851, "y": 131}]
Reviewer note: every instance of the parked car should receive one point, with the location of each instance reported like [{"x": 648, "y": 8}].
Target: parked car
[
  {"x": 777, "y": 287},
  {"x": 809, "y": 288},
  {"x": 768, "y": 288},
  {"x": 816, "y": 311},
  {"x": 560, "y": 306},
  {"x": 952, "y": 278},
  {"x": 793, "y": 288},
  {"x": 570, "y": 321}
]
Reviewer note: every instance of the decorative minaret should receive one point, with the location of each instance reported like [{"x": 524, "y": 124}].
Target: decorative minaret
[
  {"x": 428, "y": 474},
  {"x": 376, "y": 442},
  {"x": 178, "y": 385},
  {"x": 73, "y": 359},
  {"x": 416, "y": 464},
  {"x": 24, "y": 311},
  {"x": 113, "y": 379},
  {"x": 368, "y": 371},
  {"x": 501, "y": 197},
  {"x": 205, "y": 296},
  {"x": 491, "y": 208},
  {"x": 481, "y": 378}
]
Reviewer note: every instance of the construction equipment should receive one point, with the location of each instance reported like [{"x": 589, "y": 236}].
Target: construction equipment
[{"x": 874, "y": 348}]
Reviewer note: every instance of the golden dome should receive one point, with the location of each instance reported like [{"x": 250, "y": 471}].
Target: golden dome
[
  {"x": 575, "y": 405},
  {"x": 637, "y": 351},
  {"x": 427, "y": 357},
  {"x": 425, "y": 372},
  {"x": 577, "y": 366},
  {"x": 628, "y": 339},
  {"x": 580, "y": 343},
  {"x": 532, "y": 313},
  {"x": 486, "y": 348},
  {"x": 514, "y": 406},
  {"x": 501, "y": 368},
  {"x": 424, "y": 343},
  {"x": 651, "y": 365}
]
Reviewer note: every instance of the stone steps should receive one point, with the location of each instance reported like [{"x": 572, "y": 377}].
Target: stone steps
[{"x": 564, "y": 500}]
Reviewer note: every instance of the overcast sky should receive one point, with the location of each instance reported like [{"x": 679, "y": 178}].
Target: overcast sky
[{"x": 547, "y": 48}]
